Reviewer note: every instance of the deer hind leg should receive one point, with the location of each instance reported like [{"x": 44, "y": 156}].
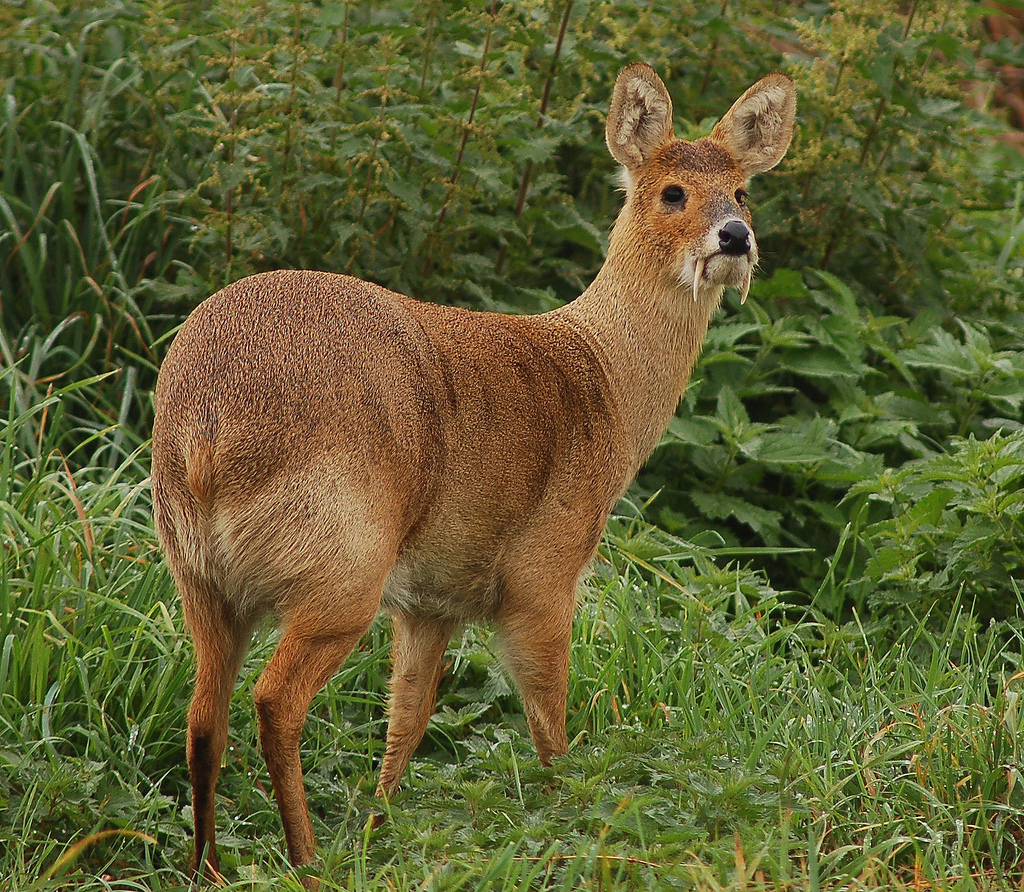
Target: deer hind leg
[
  {"x": 316, "y": 640},
  {"x": 536, "y": 632},
  {"x": 220, "y": 644},
  {"x": 418, "y": 651}
]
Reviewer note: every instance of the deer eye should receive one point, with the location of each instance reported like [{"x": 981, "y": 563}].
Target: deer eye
[
  {"x": 741, "y": 197},
  {"x": 674, "y": 195}
]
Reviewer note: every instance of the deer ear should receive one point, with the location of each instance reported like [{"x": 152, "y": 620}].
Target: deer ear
[
  {"x": 759, "y": 126},
  {"x": 640, "y": 116}
]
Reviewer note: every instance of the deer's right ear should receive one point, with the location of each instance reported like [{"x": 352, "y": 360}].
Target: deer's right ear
[{"x": 640, "y": 116}]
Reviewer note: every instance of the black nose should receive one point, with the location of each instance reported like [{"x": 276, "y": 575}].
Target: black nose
[{"x": 734, "y": 238}]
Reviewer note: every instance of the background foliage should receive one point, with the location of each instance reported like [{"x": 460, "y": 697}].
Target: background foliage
[{"x": 845, "y": 469}]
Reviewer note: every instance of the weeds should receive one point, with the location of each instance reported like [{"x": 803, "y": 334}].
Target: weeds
[{"x": 808, "y": 677}]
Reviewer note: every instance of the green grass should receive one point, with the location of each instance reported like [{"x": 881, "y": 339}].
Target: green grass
[
  {"x": 814, "y": 682},
  {"x": 720, "y": 737}
]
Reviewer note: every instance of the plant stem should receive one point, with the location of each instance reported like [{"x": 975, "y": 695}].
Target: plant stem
[
  {"x": 466, "y": 127},
  {"x": 428, "y": 51},
  {"x": 293, "y": 82},
  {"x": 339, "y": 71},
  {"x": 524, "y": 183},
  {"x": 373, "y": 150},
  {"x": 712, "y": 54}
]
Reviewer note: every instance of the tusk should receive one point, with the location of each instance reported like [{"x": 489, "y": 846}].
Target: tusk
[
  {"x": 698, "y": 271},
  {"x": 746, "y": 286}
]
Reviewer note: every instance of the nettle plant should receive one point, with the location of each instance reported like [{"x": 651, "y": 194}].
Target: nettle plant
[
  {"x": 449, "y": 152},
  {"x": 886, "y": 172},
  {"x": 899, "y": 333},
  {"x": 956, "y": 534}
]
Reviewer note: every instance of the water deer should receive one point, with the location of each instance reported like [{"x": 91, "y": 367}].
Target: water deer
[{"x": 325, "y": 449}]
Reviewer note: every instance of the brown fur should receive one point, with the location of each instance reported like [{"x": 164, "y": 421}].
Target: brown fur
[{"x": 325, "y": 448}]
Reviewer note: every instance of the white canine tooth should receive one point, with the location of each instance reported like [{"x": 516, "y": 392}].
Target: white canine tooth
[
  {"x": 746, "y": 286},
  {"x": 698, "y": 271}
]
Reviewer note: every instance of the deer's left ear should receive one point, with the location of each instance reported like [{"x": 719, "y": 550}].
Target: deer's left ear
[{"x": 759, "y": 126}]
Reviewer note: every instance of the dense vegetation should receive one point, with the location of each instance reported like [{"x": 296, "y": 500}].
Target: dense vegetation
[{"x": 799, "y": 660}]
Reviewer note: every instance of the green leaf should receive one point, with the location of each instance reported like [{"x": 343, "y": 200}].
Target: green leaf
[
  {"x": 731, "y": 411},
  {"x": 691, "y": 431},
  {"x": 946, "y": 355},
  {"x": 819, "y": 362},
  {"x": 719, "y": 506}
]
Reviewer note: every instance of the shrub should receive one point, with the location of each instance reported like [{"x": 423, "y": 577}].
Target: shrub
[{"x": 454, "y": 151}]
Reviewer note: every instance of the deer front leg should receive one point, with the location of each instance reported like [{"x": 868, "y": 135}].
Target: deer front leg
[
  {"x": 536, "y": 632},
  {"x": 417, "y": 659}
]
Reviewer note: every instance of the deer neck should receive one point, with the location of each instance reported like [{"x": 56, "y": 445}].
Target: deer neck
[{"x": 648, "y": 330}]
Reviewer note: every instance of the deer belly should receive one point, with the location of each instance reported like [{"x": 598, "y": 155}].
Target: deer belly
[{"x": 461, "y": 589}]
